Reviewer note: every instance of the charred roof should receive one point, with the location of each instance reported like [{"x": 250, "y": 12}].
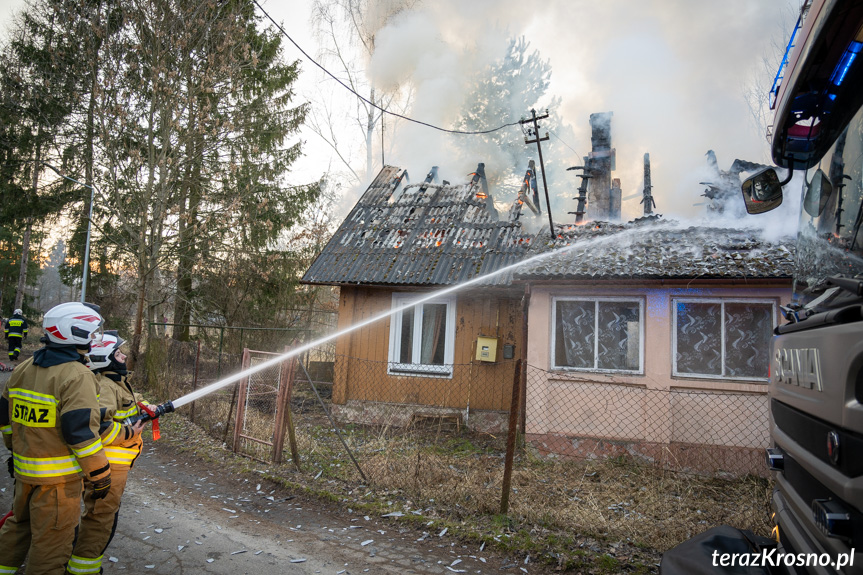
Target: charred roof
[
  {"x": 419, "y": 234},
  {"x": 649, "y": 248},
  {"x": 440, "y": 234}
]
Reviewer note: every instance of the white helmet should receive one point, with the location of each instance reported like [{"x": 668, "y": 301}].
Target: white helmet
[
  {"x": 18, "y": 312},
  {"x": 72, "y": 324},
  {"x": 102, "y": 350}
]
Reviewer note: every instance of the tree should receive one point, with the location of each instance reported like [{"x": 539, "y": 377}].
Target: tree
[
  {"x": 501, "y": 94},
  {"x": 193, "y": 125},
  {"x": 37, "y": 91},
  {"x": 180, "y": 115},
  {"x": 342, "y": 26}
]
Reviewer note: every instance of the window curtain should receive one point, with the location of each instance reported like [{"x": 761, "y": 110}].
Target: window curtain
[
  {"x": 699, "y": 338},
  {"x": 748, "y": 328},
  {"x": 618, "y": 345},
  {"x": 433, "y": 328},
  {"x": 574, "y": 333}
]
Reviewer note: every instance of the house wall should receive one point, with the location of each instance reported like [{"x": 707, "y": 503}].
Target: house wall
[
  {"x": 360, "y": 373},
  {"x": 587, "y": 414}
]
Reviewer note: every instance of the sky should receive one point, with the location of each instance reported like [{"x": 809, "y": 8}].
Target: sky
[{"x": 673, "y": 72}]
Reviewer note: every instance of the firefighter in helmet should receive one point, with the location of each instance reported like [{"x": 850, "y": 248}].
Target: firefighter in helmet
[
  {"x": 122, "y": 446},
  {"x": 49, "y": 419},
  {"x": 15, "y": 331}
]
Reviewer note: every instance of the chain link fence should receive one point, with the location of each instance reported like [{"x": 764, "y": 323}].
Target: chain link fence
[
  {"x": 713, "y": 433},
  {"x": 651, "y": 465}
]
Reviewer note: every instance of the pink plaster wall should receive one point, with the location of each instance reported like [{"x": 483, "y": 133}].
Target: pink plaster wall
[{"x": 653, "y": 407}]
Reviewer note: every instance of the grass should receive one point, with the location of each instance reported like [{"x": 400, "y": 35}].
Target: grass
[{"x": 588, "y": 516}]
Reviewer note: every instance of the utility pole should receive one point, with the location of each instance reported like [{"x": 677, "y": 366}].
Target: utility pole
[
  {"x": 86, "y": 267},
  {"x": 534, "y": 131}
]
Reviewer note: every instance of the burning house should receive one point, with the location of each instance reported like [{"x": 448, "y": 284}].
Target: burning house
[
  {"x": 649, "y": 339},
  {"x": 639, "y": 338},
  {"x": 399, "y": 242}
]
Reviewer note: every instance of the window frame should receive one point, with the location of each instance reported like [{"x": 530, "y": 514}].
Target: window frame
[
  {"x": 400, "y": 302},
  {"x": 596, "y": 300},
  {"x": 721, "y": 301}
]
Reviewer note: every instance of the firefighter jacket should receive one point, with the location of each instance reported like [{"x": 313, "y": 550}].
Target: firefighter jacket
[
  {"x": 119, "y": 407},
  {"x": 49, "y": 418},
  {"x": 15, "y": 326}
]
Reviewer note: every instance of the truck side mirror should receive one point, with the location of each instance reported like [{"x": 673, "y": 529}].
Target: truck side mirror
[
  {"x": 817, "y": 194},
  {"x": 762, "y": 191}
]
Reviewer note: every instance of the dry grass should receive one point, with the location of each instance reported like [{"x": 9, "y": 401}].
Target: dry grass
[
  {"x": 613, "y": 499},
  {"x": 591, "y": 516},
  {"x": 587, "y": 516},
  {"x": 558, "y": 509}
]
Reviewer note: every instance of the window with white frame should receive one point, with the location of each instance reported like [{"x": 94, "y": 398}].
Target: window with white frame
[
  {"x": 722, "y": 338},
  {"x": 422, "y": 337},
  {"x": 597, "y": 334}
]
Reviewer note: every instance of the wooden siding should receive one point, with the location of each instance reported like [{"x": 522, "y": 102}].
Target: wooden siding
[{"x": 361, "y": 356}]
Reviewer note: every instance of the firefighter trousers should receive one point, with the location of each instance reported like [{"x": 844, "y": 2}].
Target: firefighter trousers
[
  {"x": 98, "y": 525},
  {"x": 14, "y": 346},
  {"x": 42, "y": 527}
]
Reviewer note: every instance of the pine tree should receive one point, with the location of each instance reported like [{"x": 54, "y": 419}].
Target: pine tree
[
  {"x": 37, "y": 91},
  {"x": 503, "y": 93}
]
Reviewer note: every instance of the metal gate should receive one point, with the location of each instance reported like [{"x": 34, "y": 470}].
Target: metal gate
[{"x": 263, "y": 411}]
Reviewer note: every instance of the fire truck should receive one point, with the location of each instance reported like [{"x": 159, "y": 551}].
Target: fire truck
[{"x": 816, "y": 373}]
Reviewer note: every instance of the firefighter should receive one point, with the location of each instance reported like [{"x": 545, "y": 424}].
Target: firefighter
[
  {"x": 122, "y": 446},
  {"x": 15, "y": 331},
  {"x": 49, "y": 418}
]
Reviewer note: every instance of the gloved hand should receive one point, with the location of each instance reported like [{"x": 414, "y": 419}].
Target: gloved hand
[
  {"x": 11, "y": 465},
  {"x": 101, "y": 488}
]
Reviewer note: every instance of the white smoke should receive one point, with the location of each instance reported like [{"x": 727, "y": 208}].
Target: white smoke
[{"x": 672, "y": 72}]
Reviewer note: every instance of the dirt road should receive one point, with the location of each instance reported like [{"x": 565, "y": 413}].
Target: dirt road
[{"x": 183, "y": 516}]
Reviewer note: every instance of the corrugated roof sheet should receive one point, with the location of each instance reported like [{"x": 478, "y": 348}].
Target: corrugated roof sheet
[
  {"x": 421, "y": 234},
  {"x": 429, "y": 234}
]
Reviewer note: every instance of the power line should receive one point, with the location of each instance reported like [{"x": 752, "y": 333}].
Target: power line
[
  {"x": 363, "y": 98},
  {"x": 565, "y": 144}
]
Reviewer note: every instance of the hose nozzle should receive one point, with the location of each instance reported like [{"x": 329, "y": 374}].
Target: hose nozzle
[{"x": 157, "y": 411}]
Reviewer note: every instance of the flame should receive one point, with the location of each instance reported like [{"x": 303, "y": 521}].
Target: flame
[
  {"x": 437, "y": 243},
  {"x": 481, "y": 195}
]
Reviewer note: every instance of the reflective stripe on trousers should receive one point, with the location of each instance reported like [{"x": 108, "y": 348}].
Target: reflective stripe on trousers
[{"x": 84, "y": 565}]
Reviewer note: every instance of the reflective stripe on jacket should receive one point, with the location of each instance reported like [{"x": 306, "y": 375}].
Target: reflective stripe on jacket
[
  {"x": 49, "y": 417},
  {"x": 15, "y": 326},
  {"x": 119, "y": 403}
]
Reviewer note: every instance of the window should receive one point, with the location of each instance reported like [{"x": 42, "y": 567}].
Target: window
[
  {"x": 422, "y": 337},
  {"x": 597, "y": 334},
  {"x": 722, "y": 338}
]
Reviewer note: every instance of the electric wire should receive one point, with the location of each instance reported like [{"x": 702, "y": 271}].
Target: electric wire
[
  {"x": 565, "y": 144},
  {"x": 363, "y": 98}
]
